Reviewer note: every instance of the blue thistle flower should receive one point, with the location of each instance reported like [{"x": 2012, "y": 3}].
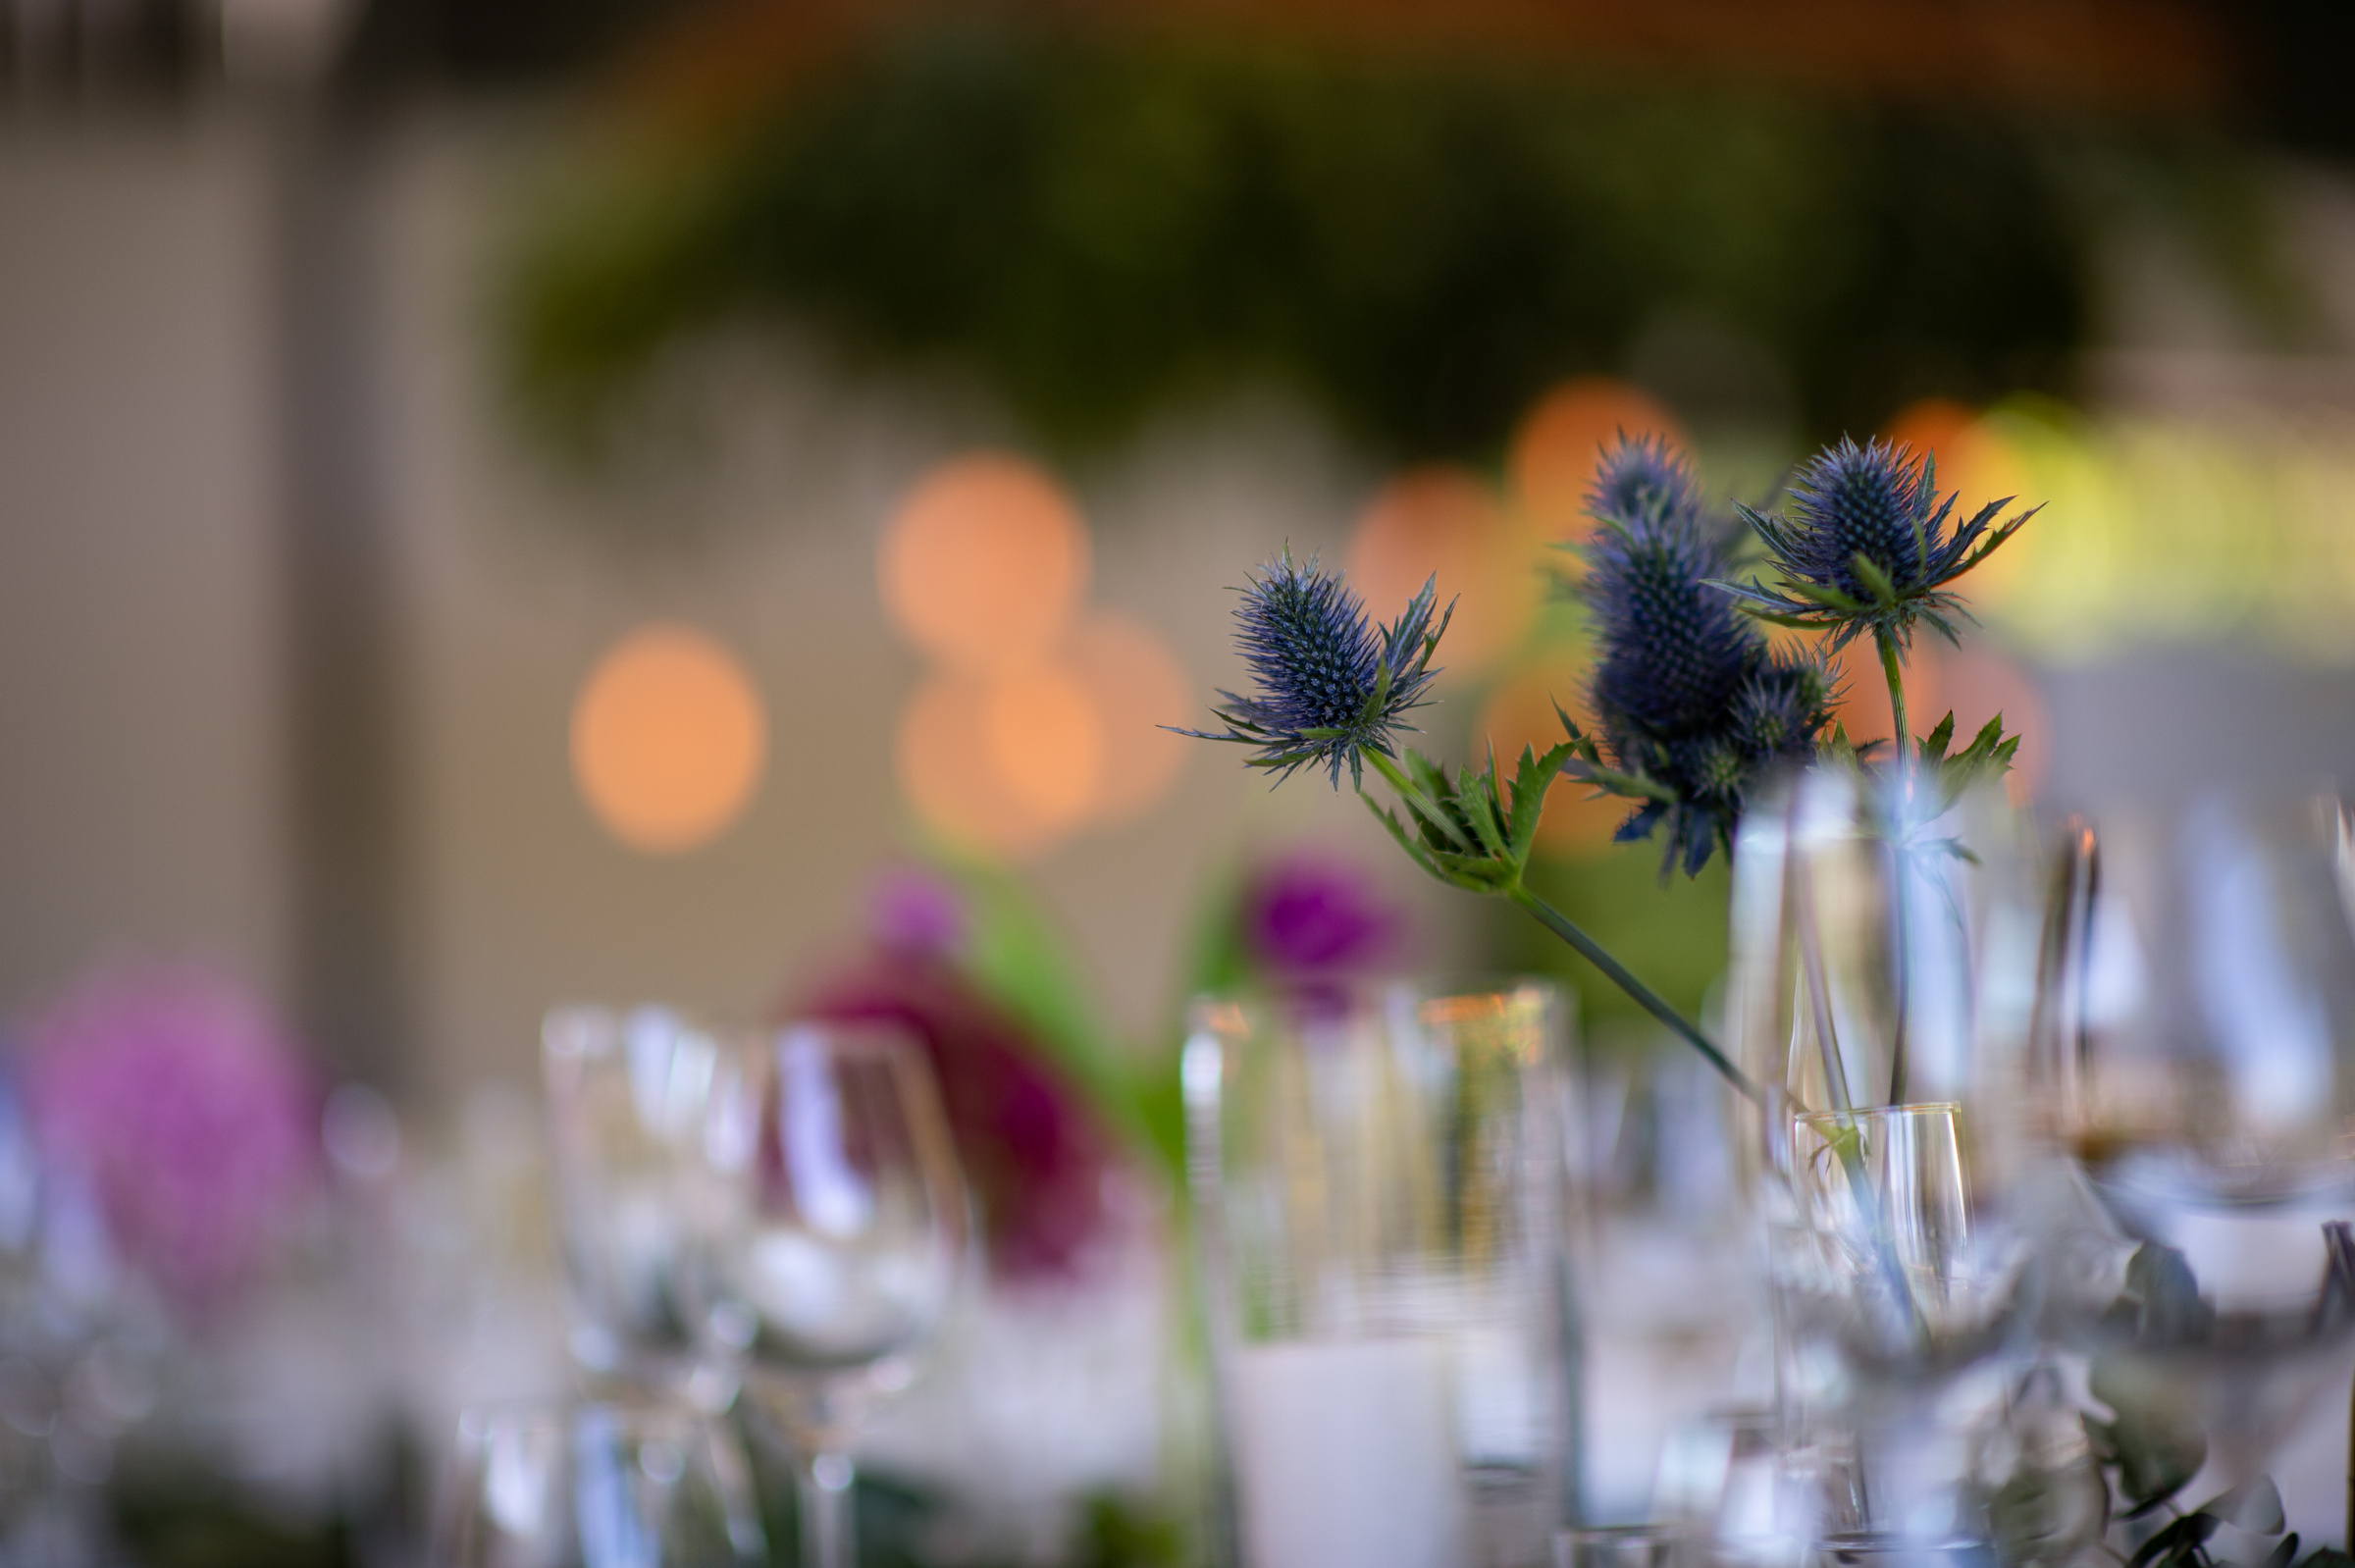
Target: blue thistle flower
[
  {"x": 1332, "y": 685},
  {"x": 1867, "y": 546},
  {"x": 1692, "y": 703},
  {"x": 1643, "y": 480},
  {"x": 1782, "y": 709},
  {"x": 1674, "y": 648}
]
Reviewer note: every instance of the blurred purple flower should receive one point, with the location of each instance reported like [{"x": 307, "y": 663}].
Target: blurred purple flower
[
  {"x": 912, "y": 911},
  {"x": 173, "y": 1092},
  {"x": 1304, "y": 914},
  {"x": 1034, "y": 1154}
]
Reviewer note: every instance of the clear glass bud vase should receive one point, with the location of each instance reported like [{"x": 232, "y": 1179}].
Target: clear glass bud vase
[{"x": 1885, "y": 945}]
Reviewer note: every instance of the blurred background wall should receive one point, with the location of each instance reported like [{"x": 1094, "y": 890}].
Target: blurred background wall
[{"x": 301, "y": 577}]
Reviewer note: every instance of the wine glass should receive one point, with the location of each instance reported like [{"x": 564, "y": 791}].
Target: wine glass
[
  {"x": 626, "y": 1098},
  {"x": 603, "y": 1485},
  {"x": 2194, "y": 1051},
  {"x": 834, "y": 1224}
]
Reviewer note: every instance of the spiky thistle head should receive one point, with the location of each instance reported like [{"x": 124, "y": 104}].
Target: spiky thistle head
[
  {"x": 1331, "y": 684},
  {"x": 1674, "y": 649},
  {"x": 1783, "y": 706},
  {"x": 1643, "y": 480},
  {"x": 1692, "y": 703},
  {"x": 1867, "y": 544}
]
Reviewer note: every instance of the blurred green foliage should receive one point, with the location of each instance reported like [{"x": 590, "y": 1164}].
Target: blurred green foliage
[
  {"x": 1098, "y": 228},
  {"x": 1020, "y": 961}
]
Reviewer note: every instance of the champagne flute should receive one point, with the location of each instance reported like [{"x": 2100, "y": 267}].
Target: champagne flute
[{"x": 834, "y": 1226}]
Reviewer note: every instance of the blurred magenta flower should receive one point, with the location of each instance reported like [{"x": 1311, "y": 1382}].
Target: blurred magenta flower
[
  {"x": 1037, "y": 1155},
  {"x": 914, "y": 912},
  {"x": 177, "y": 1096},
  {"x": 1305, "y": 914}
]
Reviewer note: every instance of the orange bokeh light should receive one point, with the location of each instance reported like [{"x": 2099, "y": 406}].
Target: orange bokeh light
[
  {"x": 1137, "y": 686},
  {"x": 1556, "y": 448},
  {"x": 984, "y": 562},
  {"x": 669, "y": 738},
  {"x": 1009, "y": 762},
  {"x": 1032, "y": 726},
  {"x": 1521, "y": 712},
  {"x": 1976, "y": 467},
  {"x": 1046, "y": 741},
  {"x": 948, "y": 772},
  {"x": 1445, "y": 521}
]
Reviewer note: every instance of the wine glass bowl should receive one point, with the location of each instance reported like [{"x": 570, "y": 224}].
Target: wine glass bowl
[
  {"x": 2194, "y": 1051},
  {"x": 2198, "y": 1004},
  {"x": 833, "y": 1225}
]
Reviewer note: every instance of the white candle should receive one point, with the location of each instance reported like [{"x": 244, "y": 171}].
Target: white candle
[{"x": 1345, "y": 1455}]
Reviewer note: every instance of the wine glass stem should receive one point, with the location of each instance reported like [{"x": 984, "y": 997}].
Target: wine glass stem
[{"x": 825, "y": 1497}]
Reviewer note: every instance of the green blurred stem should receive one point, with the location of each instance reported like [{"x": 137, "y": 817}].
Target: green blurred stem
[
  {"x": 1893, "y": 666},
  {"x": 1648, "y": 1000}
]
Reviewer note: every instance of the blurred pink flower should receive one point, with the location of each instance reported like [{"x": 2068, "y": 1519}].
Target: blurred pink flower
[
  {"x": 1036, "y": 1156},
  {"x": 177, "y": 1096},
  {"x": 1307, "y": 915},
  {"x": 914, "y": 912}
]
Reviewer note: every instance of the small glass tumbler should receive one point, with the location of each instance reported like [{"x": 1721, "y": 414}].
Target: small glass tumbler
[
  {"x": 1377, "y": 1177},
  {"x": 1896, "y": 1316}
]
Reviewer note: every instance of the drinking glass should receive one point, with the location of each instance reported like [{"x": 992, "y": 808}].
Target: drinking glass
[
  {"x": 626, "y": 1097},
  {"x": 1377, "y": 1173},
  {"x": 1895, "y": 1312},
  {"x": 2195, "y": 1050},
  {"x": 604, "y": 1485},
  {"x": 1885, "y": 942},
  {"x": 836, "y": 1225}
]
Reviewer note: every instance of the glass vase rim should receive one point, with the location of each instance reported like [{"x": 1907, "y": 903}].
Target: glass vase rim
[{"x": 1921, "y": 1110}]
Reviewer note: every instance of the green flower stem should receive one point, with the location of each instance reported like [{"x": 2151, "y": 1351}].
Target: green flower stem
[
  {"x": 1893, "y": 666},
  {"x": 1847, "y": 1146},
  {"x": 1501, "y": 874},
  {"x": 1848, "y": 1143},
  {"x": 1594, "y": 953}
]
